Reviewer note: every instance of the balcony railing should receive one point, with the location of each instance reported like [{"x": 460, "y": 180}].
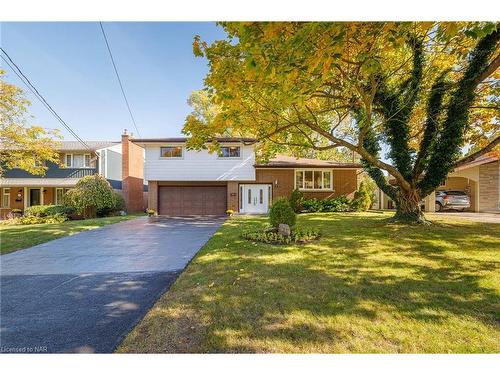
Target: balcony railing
[{"x": 52, "y": 172}]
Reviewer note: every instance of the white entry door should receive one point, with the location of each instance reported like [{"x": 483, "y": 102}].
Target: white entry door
[{"x": 255, "y": 198}]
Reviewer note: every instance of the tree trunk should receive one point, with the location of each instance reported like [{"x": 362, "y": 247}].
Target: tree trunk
[{"x": 408, "y": 208}]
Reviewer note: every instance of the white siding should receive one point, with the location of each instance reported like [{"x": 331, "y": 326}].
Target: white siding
[
  {"x": 111, "y": 162},
  {"x": 199, "y": 165}
]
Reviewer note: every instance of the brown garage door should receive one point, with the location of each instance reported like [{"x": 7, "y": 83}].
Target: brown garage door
[{"x": 192, "y": 200}]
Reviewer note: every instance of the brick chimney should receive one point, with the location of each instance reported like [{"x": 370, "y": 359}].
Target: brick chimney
[{"x": 132, "y": 174}]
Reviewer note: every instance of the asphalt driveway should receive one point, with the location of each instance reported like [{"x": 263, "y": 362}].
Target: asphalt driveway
[{"x": 83, "y": 293}]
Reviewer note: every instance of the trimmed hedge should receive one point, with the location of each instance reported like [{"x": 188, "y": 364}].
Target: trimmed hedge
[
  {"x": 338, "y": 204},
  {"x": 48, "y": 210},
  {"x": 281, "y": 213}
]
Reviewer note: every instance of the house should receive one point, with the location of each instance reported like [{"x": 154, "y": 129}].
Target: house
[
  {"x": 20, "y": 189},
  {"x": 190, "y": 182},
  {"x": 480, "y": 179}
]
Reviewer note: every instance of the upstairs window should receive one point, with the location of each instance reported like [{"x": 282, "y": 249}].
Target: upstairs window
[
  {"x": 229, "y": 152},
  {"x": 78, "y": 160},
  {"x": 171, "y": 152},
  {"x": 313, "y": 179}
]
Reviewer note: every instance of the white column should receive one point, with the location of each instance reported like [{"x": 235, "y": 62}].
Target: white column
[
  {"x": 41, "y": 196},
  {"x": 430, "y": 202},
  {"x": 25, "y": 197}
]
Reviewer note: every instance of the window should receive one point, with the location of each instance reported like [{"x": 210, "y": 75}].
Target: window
[
  {"x": 229, "y": 152},
  {"x": 171, "y": 152},
  {"x": 5, "y": 197},
  {"x": 78, "y": 160},
  {"x": 59, "y": 195},
  {"x": 313, "y": 180}
]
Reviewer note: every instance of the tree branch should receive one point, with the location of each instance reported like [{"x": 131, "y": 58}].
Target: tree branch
[
  {"x": 490, "y": 69},
  {"x": 489, "y": 147}
]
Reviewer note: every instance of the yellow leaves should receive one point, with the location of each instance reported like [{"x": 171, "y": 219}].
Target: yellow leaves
[
  {"x": 26, "y": 147},
  {"x": 197, "y": 46},
  {"x": 326, "y": 65}
]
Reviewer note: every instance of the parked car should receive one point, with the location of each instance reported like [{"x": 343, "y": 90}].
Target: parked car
[{"x": 452, "y": 200}]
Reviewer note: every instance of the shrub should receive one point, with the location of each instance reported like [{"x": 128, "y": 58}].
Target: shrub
[
  {"x": 119, "y": 202},
  {"x": 281, "y": 213},
  {"x": 296, "y": 199},
  {"x": 273, "y": 237},
  {"x": 47, "y": 210},
  {"x": 338, "y": 204},
  {"x": 92, "y": 195},
  {"x": 118, "y": 205},
  {"x": 312, "y": 205},
  {"x": 363, "y": 198},
  {"x": 27, "y": 220}
]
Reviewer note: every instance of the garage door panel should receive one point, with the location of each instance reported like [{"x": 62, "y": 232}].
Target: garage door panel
[{"x": 192, "y": 200}]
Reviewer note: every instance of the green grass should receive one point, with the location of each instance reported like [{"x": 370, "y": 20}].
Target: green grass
[
  {"x": 365, "y": 286},
  {"x": 17, "y": 237}
]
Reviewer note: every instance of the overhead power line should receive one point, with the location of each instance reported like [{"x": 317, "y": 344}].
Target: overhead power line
[
  {"x": 119, "y": 80},
  {"x": 15, "y": 68}
]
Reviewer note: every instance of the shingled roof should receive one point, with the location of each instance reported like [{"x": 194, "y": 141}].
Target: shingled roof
[
  {"x": 282, "y": 161},
  {"x": 77, "y": 146}
]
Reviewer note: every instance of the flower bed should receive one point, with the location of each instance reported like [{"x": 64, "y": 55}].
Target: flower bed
[{"x": 271, "y": 236}]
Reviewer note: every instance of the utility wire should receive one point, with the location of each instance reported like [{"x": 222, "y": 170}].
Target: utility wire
[
  {"x": 119, "y": 80},
  {"x": 15, "y": 68}
]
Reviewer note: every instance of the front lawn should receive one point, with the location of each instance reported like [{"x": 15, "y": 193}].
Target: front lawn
[
  {"x": 16, "y": 237},
  {"x": 365, "y": 286}
]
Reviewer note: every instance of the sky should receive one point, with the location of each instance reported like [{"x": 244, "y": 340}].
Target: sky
[{"x": 70, "y": 66}]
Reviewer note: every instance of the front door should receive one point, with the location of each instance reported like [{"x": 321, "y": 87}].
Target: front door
[
  {"x": 255, "y": 198},
  {"x": 34, "y": 197}
]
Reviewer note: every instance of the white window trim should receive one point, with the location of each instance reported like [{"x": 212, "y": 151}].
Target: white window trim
[
  {"x": 4, "y": 194},
  {"x": 71, "y": 165},
  {"x": 231, "y": 157},
  {"x": 322, "y": 170},
  {"x": 172, "y": 157}
]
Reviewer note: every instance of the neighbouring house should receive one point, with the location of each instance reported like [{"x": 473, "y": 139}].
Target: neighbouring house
[
  {"x": 20, "y": 189},
  {"x": 480, "y": 179},
  {"x": 189, "y": 182}
]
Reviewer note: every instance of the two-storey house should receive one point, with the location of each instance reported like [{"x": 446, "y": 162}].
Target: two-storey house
[
  {"x": 20, "y": 189},
  {"x": 190, "y": 182}
]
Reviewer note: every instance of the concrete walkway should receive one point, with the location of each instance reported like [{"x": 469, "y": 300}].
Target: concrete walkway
[
  {"x": 83, "y": 293},
  {"x": 479, "y": 217}
]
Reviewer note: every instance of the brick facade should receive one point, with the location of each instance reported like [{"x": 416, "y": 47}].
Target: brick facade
[
  {"x": 132, "y": 174},
  {"x": 489, "y": 179},
  {"x": 345, "y": 182}
]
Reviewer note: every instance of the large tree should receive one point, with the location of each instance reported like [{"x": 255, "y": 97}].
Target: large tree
[
  {"x": 22, "y": 145},
  {"x": 421, "y": 91}
]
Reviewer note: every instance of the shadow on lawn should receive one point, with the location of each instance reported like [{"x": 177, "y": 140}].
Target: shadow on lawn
[{"x": 355, "y": 271}]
